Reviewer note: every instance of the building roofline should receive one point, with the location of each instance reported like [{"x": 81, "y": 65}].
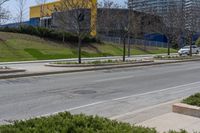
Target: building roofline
[{"x": 49, "y": 3}]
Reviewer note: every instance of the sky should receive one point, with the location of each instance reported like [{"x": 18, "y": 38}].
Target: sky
[{"x": 13, "y": 8}]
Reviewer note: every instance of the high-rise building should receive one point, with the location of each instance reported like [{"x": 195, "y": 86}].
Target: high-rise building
[
  {"x": 190, "y": 8},
  {"x": 158, "y": 7}
]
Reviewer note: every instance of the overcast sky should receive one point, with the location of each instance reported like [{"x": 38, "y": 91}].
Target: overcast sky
[{"x": 12, "y": 6}]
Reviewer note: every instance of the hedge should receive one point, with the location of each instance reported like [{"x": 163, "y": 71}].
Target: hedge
[
  {"x": 67, "y": 123},
  {"x": 193, "y": 100},
  {"x": 47, "y": 33}
]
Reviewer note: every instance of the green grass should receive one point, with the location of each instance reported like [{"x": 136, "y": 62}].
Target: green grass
[
  {"x": 67, "y": 123},
  {"x": 20, "y": 47},
  {"x": 193, "y": 100}
]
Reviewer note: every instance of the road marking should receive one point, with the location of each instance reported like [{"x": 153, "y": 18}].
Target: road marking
[
  {"x": 156, "y": 91},
  {"x": 87, "y": 105},
  {"x": 111, "y": 79},
  {"x": 141, "y": 110},
  {"x": 122, "y": 98},
  {"x": 148, "y": 108}
]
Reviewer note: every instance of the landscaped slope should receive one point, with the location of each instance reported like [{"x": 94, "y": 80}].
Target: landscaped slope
[{"x": 20, "y": 47}]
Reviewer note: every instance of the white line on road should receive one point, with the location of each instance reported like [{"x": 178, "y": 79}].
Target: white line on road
[
  {"x": 87, "y": 105},
  {"x": 156, "y": 91},
  {"x": 148, "y": 108},
  {"x": 141, "y": 110},
  {"x": 122, "y": 98}
]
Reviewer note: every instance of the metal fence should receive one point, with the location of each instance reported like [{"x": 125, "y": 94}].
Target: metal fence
[{"x": 117, "y": 40}]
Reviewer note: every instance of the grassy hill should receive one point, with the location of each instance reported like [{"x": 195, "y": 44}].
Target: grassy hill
[{"x": 20, "y": 47}]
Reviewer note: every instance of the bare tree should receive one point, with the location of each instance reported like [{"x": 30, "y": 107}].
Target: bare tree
[
  {"x": 75, "y": 17},
  {"x": 174, "y": 21},
  {"x": 108, "y": 4},
  {"x": 122, "y": 26},
  {"x": 22, "y": 10},
  {"x": 105, "y": 16},
  {"x": 3, "y": 1},
  {"x": 4, "y": 13},
  {"x": 192, "y": 23},
  {"x": 43, "y": 8},
  {"x": 112, "y": 21}
]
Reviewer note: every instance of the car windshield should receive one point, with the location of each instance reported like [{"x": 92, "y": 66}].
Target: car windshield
[{"x": 186, "y": 47}]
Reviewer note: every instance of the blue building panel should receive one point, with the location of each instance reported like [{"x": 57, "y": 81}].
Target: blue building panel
[
  {"x": 195, "y": 37},
  {"x": 32, "y": 22},
  {"x": 156, "y": 37}
]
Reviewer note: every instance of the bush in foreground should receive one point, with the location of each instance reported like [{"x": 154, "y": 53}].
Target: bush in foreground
[
  {"x": 193, "y": 100},
  {"x": 67, "y": 123}
]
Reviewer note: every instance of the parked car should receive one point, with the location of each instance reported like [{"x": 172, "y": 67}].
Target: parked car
[{"x": 186, "y": 50}]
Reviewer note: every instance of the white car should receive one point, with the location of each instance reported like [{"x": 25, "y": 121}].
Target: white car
[{"x": 186, "y": 50}]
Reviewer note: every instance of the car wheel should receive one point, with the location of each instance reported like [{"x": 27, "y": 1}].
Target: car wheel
[{"x": 197, "y": 52}]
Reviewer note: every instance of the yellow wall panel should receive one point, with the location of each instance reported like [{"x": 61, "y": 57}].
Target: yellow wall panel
[
  {"x": 43, "y": 10},
  {"x": 46, "y": 10}
]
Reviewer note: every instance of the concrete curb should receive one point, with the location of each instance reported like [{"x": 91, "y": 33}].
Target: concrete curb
[
  {"x": 95, "y": 65},
  {"x": 92, "y": 69},
  {"x": 72, "y": 71},
  {"x": 186, "y": 109},
  {"x": 6, "y": 71}
]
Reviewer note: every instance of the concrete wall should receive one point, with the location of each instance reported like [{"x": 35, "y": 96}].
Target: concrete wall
[
  {"x": 111, "y": 21},
  {"x": 67, "y": 21}
]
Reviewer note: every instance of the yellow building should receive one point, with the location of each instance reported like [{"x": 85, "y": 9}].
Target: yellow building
[{"x": 46, "y": 10}]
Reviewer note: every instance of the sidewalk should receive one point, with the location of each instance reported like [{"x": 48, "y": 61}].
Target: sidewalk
[
  {"x": 173, "y": 121},
  {"x": 38, "y": 68},
  {"x": 161, "y": 117}
]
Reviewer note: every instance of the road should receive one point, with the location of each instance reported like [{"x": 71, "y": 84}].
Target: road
[{"x": 116, "y": 94}]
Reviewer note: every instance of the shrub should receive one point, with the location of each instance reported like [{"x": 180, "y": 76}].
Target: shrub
[
  {"x": 67, "y": 123},
  {"x": 193, "y": 100},
  {"x": 47, "y": 33}
]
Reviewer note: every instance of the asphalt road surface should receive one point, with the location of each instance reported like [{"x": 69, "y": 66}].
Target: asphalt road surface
[{"x": 116, "y": 94}]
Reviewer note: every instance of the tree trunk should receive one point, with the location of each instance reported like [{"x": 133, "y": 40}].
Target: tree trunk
[
  {"x": 191, "y": 46},
  {"x": 190, "y": 50},
  {"x": 129, "y": 47},
  {"x": 79, "y": 50},
  {"x": 168, "y": 48},
  {"x": 124, "y": 49},
  {"x": 63, "y": 39}
]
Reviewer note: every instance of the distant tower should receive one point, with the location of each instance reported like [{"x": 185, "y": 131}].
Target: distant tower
[
  {"x": 159, "y": 7},
  {"x": 191, "y": 9}
]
